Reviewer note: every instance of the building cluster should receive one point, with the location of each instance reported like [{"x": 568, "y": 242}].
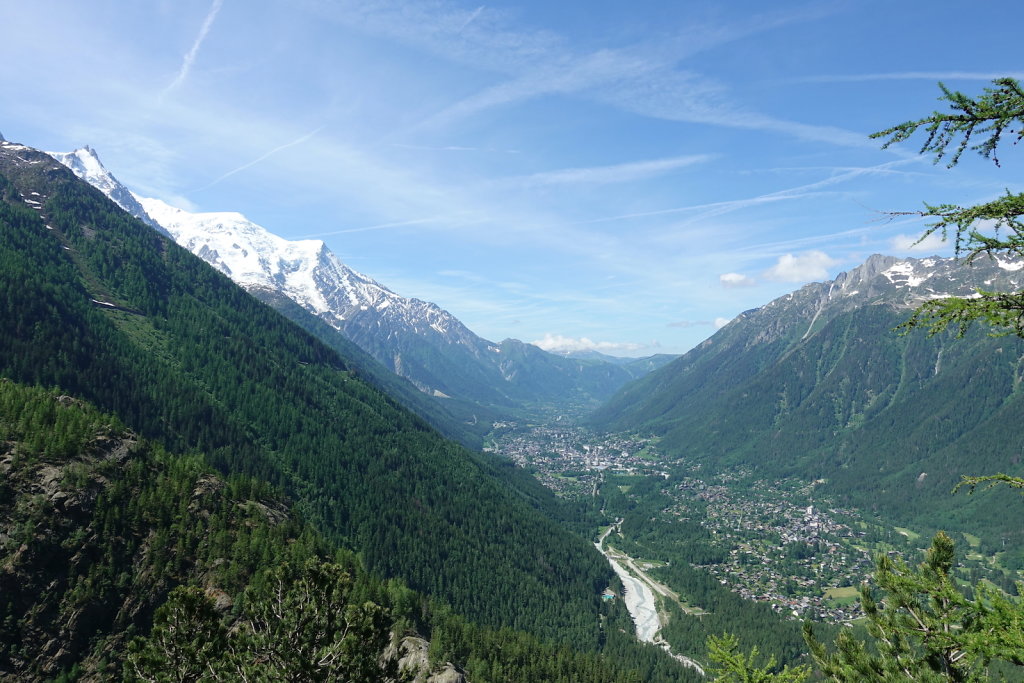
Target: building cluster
[
  {"x": 780, "y": 543},
  {"x": 569, "y": 460},
  {"x": 782, "y": 551}
]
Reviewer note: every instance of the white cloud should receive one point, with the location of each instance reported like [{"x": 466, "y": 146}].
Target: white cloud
[
  {"x": 183, "y": 203},
  {"x": 454, "y": 148},
  {"x": 805, "y": 267},
  {"x": 909, "y": 75},
  {"x": 471, "y": 18},
  {"x": 732, "y": 280},
  {"x": 378, "y": 226},
  {"x": 556, "y": 342},
  {"x": 932, "y": 243},
  {"x": 717, "y": 323},
  {"x": 644, "y": 79},
  {"x": 713, "y": 209}
]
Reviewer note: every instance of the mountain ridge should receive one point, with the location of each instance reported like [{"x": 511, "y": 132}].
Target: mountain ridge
[
  {"x": 86, "y": 164},
  {"x": 817, "y": 384},
  {"x": 415, "y": 339}
]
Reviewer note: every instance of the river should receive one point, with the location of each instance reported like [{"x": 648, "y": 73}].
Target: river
[
  {"x": 637, "y": 595},
  {"x": 642, "y": 604}
]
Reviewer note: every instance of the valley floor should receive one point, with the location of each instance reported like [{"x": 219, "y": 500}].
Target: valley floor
[{"x": 778, "y": 542}]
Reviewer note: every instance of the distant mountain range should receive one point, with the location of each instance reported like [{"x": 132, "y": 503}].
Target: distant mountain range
[
  {"x": 817, "y": 384},
  {"x": 415, "y": 339}
]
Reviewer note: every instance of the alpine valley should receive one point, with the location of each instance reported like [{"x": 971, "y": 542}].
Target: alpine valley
[
  {"x": 231, "y": 457},
  {"x": 820, "y": 384},
  {"x": 477, "y": 379},
  {"x": 292, "y": 470}
]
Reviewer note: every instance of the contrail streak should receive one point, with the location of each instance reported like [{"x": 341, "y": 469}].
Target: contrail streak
[
  {"x": 190, "y": 56},
  {"x": 297, "y": 141}
]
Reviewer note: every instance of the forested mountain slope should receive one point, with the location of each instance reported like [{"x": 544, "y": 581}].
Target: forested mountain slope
[
  {"x": 120, "y": 559},
  {"x": 97, "y": 526},
  {"x": 461, "y": 420},
  {"x": 97, "y": 303},
  {"x": 818, "y": 384}
]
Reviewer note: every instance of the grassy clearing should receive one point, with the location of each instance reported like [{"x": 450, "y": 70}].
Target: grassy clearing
[
  {"x": 843, "y": 596},
  {"x": 841, "y": 593},
  {"x": 989, "y": 585},
  {"x": 911, "y": 535}
]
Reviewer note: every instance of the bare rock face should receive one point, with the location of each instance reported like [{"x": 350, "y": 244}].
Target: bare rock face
[
  {"x": 448, "y": 674},
  {"x": 412, "y": 654},
  {"x": 36, "y": 560}
]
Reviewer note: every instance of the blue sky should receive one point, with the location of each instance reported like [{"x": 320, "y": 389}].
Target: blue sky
[{"x": 612, "y": 175}]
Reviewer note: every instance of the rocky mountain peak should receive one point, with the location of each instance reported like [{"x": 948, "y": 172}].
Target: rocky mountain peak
[
  {"x": 900, "y": 283},
  {"x": 86, "y": 164},
  {"x": 870, "y": 269}
]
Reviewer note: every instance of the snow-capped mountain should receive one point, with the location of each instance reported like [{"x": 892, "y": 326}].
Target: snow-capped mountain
[
  {"x": 900, "y": 283},
  {"x": 906, "y": 282},
  {"x": 415, "y": 339},
  {"x": 305, "y": 270},
  {"x": 87, "y": 166},
  {"x": 308, "y": 273}
]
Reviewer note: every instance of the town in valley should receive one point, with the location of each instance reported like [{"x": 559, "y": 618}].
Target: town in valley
[{"x": 777, "y": 541}]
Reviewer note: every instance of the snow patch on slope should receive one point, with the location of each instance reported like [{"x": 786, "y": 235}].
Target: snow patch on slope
[{"x": 902, "y": 273}]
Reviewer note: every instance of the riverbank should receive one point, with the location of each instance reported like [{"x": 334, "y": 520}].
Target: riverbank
[{"x": 639, "y": 596}]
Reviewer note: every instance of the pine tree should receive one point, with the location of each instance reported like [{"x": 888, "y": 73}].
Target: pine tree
[
  {"x": 925, "y": 628},
  {"x": 921, "y": 624},
  {"x": 298, "y": 624},
  {"x": 922, "y": 630},
  {"x": 735, "y": 667},
  {"x": 991, "y": 229},
  {"x": 188, "y": 638}
]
